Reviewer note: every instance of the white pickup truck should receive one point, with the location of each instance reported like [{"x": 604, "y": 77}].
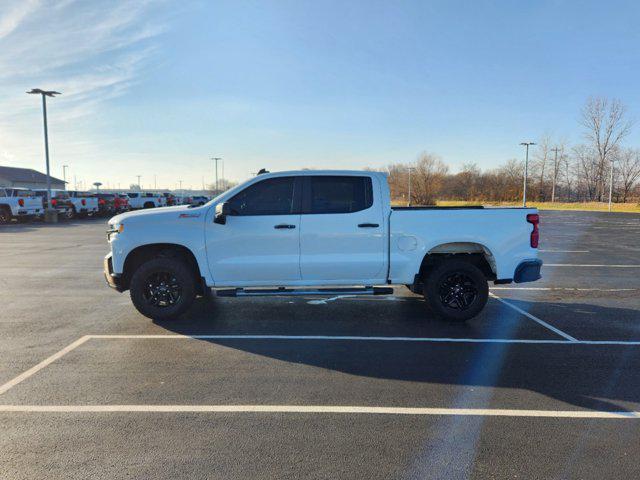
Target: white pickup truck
[
  {"x": 19, "y": 203},
  {"x": 139, "y": 200},
  {"x": 318, "y": 232},
  {"x": 84, "y": 203}
]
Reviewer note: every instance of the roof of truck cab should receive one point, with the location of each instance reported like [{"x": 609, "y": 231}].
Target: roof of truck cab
[{"x": 324, "y": 172}]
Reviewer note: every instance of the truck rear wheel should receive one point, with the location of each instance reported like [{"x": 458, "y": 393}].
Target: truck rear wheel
[
  {"x": 163, "y": 288},
  {"x": 5, "y": 215},
  {"x": 456, "y": 290}
]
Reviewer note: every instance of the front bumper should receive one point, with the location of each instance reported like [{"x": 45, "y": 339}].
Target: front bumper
[
  {"x": 528, "y": 271},
  {"x": 114, "y": 280}
]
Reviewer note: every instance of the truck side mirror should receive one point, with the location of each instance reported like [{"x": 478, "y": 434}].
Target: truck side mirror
[{"x": 222, "y": 211}]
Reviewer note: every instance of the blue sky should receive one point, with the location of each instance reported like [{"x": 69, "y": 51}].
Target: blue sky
[{"x": 158, "y": 87}]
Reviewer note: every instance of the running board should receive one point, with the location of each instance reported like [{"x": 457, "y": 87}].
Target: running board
[{"x": 266, "y": 292}]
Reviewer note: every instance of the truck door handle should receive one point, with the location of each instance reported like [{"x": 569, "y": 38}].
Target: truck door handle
[
  {"x": 368, "y": 225},
  {"x": 284, "y": 225}
]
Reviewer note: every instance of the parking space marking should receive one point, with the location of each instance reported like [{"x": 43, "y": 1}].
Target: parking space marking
[
  {"x": 594, "y": 265},
  {"x": 372, "y": 339},
  {"x": 535, "y": 319},
  {"x": 564, "y": 251},
  {"x": 568, "y": 289},
  {"x": 47, "y": 361},
  {"x": 321, "y": 409},
  {"x": 569, "y": 341}
]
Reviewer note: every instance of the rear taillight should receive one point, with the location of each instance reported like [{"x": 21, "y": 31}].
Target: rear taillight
[
  {"x": 534, "y": 219},
  {"x": 101, "y": 201},
  {"x": 83, "y": 201},
  {"x": 21, "y": 202},
  {"x": 53, "y": 202}
]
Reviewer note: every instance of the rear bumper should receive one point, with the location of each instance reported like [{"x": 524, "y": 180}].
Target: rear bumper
[
  {"x": 114, "y": 280},
  {"x": 29, "y": 213},
  {"x": 528, "y": 271}
]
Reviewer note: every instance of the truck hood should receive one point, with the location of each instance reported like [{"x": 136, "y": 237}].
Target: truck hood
[{"x": 157, "y": 214}]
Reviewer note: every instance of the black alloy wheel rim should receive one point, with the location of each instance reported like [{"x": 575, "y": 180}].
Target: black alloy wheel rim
[
  {"x": 458, "y": 291},
  {"x": 162, "y": 290}
]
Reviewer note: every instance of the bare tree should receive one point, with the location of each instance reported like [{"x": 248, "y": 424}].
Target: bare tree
[
  {"x": 586, "y": 166},
  {"x": 556, "y": 164},
  {"x": 606, "y": 126},
  {"x": 629, "y": 170},
  {"x": 539, "y": 166},
  {"x": 568, "y": 175},
  {"x": 427, "y": 179}
]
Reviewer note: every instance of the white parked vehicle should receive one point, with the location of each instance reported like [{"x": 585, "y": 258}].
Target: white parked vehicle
[
  {"x": 315, "y": 232},
  {"x": 60, "y": 201},
  {"x": 83, "y": 203},
  {"x": 139, "y": 200},
  {"x": 196, "y": 200},
  {"x": 19, "y": 203}
]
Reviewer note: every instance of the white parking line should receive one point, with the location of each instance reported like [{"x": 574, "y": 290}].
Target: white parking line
[
  {"x": 535, "y": 319},
  {"x": 350, "y": 338},
  {"x": 47, "y": 361},
  {"x": 568, "y": 289},
  {"x": 594, "y": 265},
  {"x": 339, "y": 409},
  {"x": 564, "y": 251}
]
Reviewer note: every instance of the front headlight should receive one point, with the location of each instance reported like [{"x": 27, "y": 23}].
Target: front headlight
[{"x": 115, "y": 228}]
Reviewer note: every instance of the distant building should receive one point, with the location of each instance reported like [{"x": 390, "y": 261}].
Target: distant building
[{"x": 27, "y": 178}]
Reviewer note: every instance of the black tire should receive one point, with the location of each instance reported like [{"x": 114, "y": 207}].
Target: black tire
[
  {"x": 456, "y": 290},
  {"x": 149, "y": 205},
  {"x": 70, "y": 214},
  {"x": 160, "y": 302},
  {"x": 5, "y": 215}
]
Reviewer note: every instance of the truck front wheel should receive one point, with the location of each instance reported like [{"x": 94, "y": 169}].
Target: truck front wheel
[
  {"x": 163, "y": 288},
  {"x": 456, "y": 290}
]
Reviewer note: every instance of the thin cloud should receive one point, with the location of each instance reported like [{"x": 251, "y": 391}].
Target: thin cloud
[
  {"x": 91, "y": 51},
  {"x": 15, "y": 15}
]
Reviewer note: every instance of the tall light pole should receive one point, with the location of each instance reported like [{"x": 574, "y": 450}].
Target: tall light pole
[
  {"x": 409, "y": 203},
  {"x": 155, "y": 182},
  {"x": 611, "y": 185},
  {"x": 64, "y": 175},
  {"x": 139, "y": 186},
  {"x": 526, "y": 171},
  {"x": 216, "y": 160},
  {"x": 45, "y": 94}
]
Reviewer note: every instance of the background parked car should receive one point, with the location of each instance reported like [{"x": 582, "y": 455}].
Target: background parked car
[
  {"x": 19, "y": 203},
  {"x": 170, "y": 198},
  {"x": 145, "y": 200},
  {"x": 106, "y": 204},
  {"x": 59, "y": 200},
  {"x": 196, "y": 200},
  {"x": 84, "y": 203},
  {"x": 122, "y": 203},
  {"x": 110, "y": 204}
]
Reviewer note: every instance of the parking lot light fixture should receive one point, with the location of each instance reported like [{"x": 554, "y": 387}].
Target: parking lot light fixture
[
  {"x": 526, "y": 171},
  {"x": 44, "y": 94}
]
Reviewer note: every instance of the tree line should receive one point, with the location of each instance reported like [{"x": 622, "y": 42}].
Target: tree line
[{"x": 557, "y": 171}]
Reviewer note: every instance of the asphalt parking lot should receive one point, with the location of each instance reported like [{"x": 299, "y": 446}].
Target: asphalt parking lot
[{"x": 545, "y": 383}]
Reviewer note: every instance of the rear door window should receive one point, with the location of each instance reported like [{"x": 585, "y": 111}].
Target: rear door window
[{"x": 339, "y": 194}]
